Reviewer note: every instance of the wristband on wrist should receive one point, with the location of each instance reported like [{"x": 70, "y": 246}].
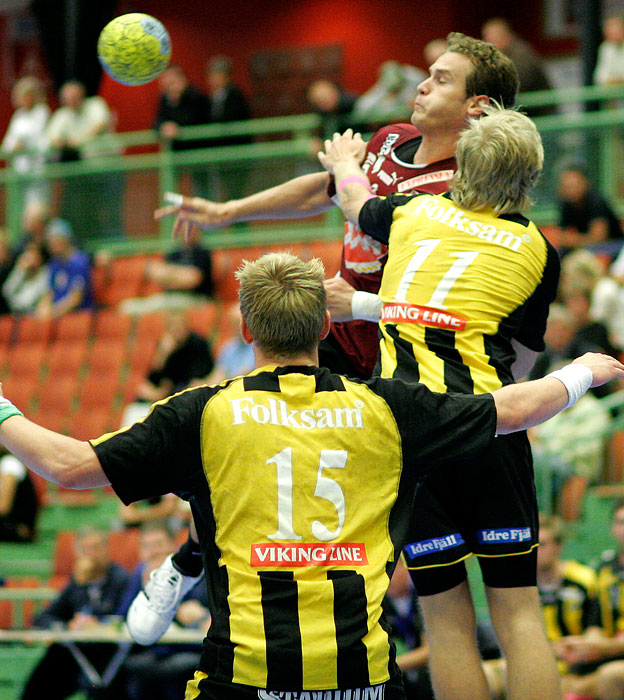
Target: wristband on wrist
[
  {"x": 7, "y": 409},
  {"x": 366, "y": 306},
  {"x": 576, "y": 379},
  {"x": 352, "y": 179}
]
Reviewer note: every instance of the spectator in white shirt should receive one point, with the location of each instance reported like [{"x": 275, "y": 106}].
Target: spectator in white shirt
[
  {"x": 24, "y": 139},
  {"x": 610, "y": 64}
]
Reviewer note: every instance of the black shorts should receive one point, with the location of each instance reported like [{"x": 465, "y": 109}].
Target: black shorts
[
  {"x": 485, "y": 505},
  {"x": 204, "y": 688}
]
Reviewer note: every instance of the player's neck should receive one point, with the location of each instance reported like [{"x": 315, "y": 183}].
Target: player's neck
[
  {"x": 435, "y": 147},
  {"x": 304, "y": 358}
]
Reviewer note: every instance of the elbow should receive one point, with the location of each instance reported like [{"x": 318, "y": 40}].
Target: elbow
[{"x": 510, "y": 421}]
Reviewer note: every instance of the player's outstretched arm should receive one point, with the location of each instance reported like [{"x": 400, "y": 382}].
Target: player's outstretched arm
[
  {"x": 65, "y": 461},
  {"x": 303, "y": 196},
  {"x": 521, "y": 406}
]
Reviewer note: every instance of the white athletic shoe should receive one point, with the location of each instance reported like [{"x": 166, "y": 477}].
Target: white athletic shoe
[{"x": 154, "y": 608}]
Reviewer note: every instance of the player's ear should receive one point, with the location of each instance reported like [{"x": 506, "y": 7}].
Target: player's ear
[
  {"x": 245, "y": 332},
  {"x": 475, "y": 105},
  {"x": 326, "y": 325}
]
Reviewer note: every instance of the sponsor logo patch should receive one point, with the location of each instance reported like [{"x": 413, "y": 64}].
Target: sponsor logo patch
[
  {"x": 424, "y": 179},
  {"x": 501, "y": 535},
  {"x": 401, "y": 312},
  {"x": 308, "y": 554},
  {"x": 435, "y": 544}
]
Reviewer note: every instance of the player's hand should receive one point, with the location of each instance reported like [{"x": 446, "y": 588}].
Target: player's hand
[
  {"x": 195, "y": 211},
  {"x": 342, "y": 148},
  {"x": 603, "y": 367},
  {"x": 339, "y": 296}
]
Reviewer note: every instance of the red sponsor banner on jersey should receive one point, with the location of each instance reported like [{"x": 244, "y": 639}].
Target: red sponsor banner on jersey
[
  {"x": 308, "y": 554},
  {"x": 421, "y": 181},
  {"x": 397, "y": 312}
]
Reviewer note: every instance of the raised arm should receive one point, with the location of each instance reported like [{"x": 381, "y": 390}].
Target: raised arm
[
  {"x": 303, "y": 196},
  {"x": 342, "y": 157}
]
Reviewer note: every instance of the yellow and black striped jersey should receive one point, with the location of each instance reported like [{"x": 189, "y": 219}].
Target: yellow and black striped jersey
[
  {"x": 457, "y": 287},
  {"x": 569, "y": 605},
  {"x": 301, "y": 483},
  {"x": 610, "y": 593}
]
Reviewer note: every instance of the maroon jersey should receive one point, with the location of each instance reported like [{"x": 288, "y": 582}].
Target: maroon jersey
[{"x": 389, "y": 167}]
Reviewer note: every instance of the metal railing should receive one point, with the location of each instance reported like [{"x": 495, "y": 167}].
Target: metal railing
[{"x": 589, "y": 128}]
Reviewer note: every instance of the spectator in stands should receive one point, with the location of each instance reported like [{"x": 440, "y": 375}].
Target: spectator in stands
[
  {"x": 235, "y": 356},
  {"x": 434, "y": 49},
  {"x": 332, "y": 103},
  {"x": 82, "y": 128},
  {"x": 19, "y": 505},
  {"x": 572, "y": 444},
  {"x": 69, "y": 274},
  {"x": 7, "y": 260},
  {"x": 566, "y": 587},
  {"x": 608, "y": 301},
  {"x": 226, "y": 103},
  {"x": 181, "y": 355},
  {"x": 94, "y": 592},
  {"x": 35, "y": 220},
  {"x": 610, "y": 64},
  {"x": 160, "y": 672},
  {"x": 185, "y": 276},
  {"x": 180, "y": 104},
  {"x": 603, "y": 642},
  {"x": 27, "y": 283},
  {"x": 24, "y": 138},
  {"x": 73, "y": 128},
  {"x": 498, "y": 31},
  {"x": 392, "y": 96},
  {"x": 585, "y": 216}
]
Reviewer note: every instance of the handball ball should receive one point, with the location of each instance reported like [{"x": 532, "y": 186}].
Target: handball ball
[{"x": 134, "y": 48}]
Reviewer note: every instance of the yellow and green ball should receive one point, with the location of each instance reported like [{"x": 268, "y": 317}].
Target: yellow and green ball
[{"x": 134, "y": 48}]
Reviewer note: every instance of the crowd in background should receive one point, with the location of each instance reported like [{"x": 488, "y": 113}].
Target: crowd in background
[{"x": 45, "y": 273}]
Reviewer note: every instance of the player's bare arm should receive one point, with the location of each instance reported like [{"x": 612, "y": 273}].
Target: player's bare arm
[
  {"x": 303, "y": 196},
  {"x": 64, "y": 460},
  {"x": 521, "y": 406}
]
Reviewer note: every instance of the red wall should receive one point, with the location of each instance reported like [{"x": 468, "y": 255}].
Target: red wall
[{"x": 371, "y": 31}]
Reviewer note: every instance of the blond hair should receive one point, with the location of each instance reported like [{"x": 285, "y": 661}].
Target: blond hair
[
  {"x": 283, "y": 302},
  {"x": 499, "y": 158}
]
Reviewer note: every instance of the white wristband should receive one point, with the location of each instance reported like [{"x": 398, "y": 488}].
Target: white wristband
[
  {"x": 576, "y": 379},
  {"x": 366, "y": 306}
]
